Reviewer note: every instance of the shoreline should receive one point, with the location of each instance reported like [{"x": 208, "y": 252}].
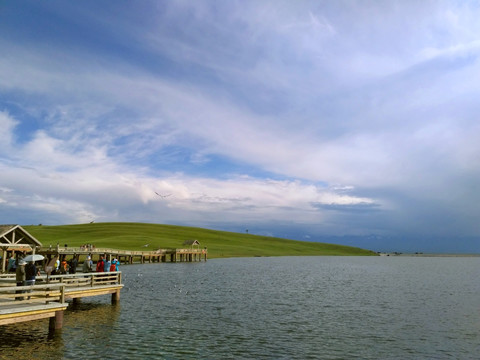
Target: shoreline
[{"x": 429, "y": 254}]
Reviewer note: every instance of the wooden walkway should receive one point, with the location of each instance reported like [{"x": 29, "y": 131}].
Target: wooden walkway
[
  {"x": 47, "y": 298},
  {"x": 37, "y": 302},
  {"x": 130, "y": 257}
]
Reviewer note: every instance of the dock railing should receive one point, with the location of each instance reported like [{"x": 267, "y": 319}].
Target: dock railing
[
  {"x": 198, "y": 251},
  {"x": 84, "y": 279},
  {"x": 32, "y": 294},
  {"x": 115, "y": 252},
  {"x": 70, "y": 280},
  {"x": 90, "y": 250}
]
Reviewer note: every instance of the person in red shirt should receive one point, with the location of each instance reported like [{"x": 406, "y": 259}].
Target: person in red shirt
[{"x": 100, "y": 264}]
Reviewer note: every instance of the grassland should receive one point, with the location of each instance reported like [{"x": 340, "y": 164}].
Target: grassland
[{"x": 135, "y": 236}]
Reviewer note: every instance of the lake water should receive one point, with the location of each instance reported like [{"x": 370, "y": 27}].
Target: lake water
[{"x": 272, "y": 308}]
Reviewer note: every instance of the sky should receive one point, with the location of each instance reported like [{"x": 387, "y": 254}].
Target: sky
[{"x": 353, "y": 122}]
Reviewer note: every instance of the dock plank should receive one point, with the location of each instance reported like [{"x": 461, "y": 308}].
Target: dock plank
[{"x": 28, "y": 312}]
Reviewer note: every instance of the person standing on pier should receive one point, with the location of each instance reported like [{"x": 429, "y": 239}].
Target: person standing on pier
[
  {"x": 20, "y": 277},
  {"x": 11, "y": 267},
  {"x": 100, "y": 264},
  {"x": 106, "y": 265},
  {"x": 114, "y": 266},
  {"x": 63, "y": 267},
  {"x": 30, "y": 274},
  {"x": 57, "y": 264},
  {"x": 87, "y": 265},
  {"x": 72, "y": 266}
]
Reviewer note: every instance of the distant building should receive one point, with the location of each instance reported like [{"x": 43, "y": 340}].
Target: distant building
[{"x": 192, "y": 243}]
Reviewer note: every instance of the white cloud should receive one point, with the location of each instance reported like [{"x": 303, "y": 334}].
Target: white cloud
[
  {"x": 375, "y": 102},
  {"x": 7, "y": 124},
  {"x": 88, "y": 184}
]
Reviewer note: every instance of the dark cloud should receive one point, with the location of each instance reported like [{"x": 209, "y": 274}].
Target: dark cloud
[{"x": 353, "y": 208}]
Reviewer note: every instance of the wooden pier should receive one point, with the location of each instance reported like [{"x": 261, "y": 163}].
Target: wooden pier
[
  {"x": 128, "y": 256},
  {"x": 47, "y": 298},
  {"x": 17, "y": 242}
]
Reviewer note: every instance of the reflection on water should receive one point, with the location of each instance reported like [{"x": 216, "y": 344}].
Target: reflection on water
[
  {"x": 272, "y": 308},
  {"x": 29, "y": 340},
  {"x": 88, "y": 324},
  {"x": 32, "y": 340}
]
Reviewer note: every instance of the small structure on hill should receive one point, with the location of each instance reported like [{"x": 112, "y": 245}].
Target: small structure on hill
[
  {"x": 192, "y": 243},
  {"x": 15, "y": 239}
]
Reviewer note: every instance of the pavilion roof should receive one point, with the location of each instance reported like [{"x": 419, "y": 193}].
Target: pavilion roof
[
  {"x": 16, "y": 237},
  {"x": 191, "y": 242}
]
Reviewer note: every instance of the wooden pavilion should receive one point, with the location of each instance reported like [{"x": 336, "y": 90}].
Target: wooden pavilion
[
  {"x": 192, "y": 243},
  {"x": 14, "y": 238}
]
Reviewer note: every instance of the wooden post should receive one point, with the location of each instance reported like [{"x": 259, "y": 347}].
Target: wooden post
[
  {"x": 62, "y": 296},
  {"x": 56, "y": 322},
  {"x": 116, "y": 297},
  {"x": 4, "y": 258}
]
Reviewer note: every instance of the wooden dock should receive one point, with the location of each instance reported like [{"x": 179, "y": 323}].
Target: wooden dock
[
  {"x": 128, "y": 256},
  {"x": 47, "y": 298}
]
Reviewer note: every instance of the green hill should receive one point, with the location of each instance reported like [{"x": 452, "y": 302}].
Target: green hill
[{"x": 135, "y": 236}]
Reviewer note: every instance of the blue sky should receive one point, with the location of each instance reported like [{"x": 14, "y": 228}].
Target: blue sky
[{"x": 344, "y": 121}]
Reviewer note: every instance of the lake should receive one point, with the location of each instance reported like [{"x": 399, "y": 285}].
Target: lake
[{"x": 272, "y": 308}]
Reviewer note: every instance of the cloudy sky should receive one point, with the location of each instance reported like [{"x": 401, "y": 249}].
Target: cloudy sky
[{"x": 311, "y": 120}]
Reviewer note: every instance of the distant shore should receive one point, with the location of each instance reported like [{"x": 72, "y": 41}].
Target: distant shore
[{"x": 428, "y": 254}]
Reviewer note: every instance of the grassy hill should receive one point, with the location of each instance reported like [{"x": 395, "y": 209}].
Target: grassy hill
[{"x": 134, "y": 236}]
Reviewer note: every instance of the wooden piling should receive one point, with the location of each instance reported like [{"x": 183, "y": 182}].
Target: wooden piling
[
  {"x": 116, "y": 297},
  {"x": 56, "y": 322}
]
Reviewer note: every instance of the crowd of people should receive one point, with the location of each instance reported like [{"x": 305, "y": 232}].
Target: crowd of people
[
  {"x": 26, "y": 272},
  {"x": 56, "y": 266},
  {"x": 105, "y": 265},
  {"x": 70, "y": 266}
]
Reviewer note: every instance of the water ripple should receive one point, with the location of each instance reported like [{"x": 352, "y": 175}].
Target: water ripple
[{"x": 272, "y": 308}]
